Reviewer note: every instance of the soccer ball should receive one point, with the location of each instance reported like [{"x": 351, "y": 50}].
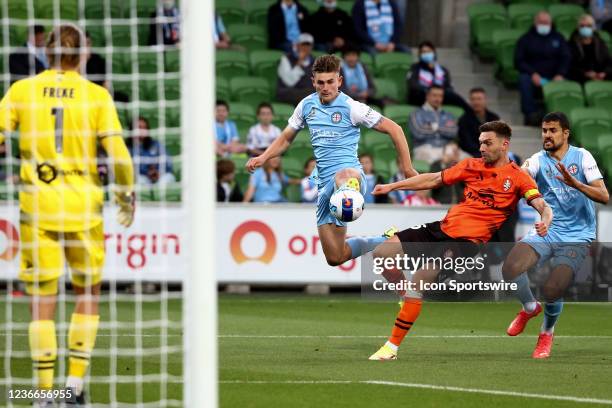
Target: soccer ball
[{"x": 346, "y": 204}]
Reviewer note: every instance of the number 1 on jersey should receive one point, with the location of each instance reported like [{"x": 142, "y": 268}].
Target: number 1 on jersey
[{"x": 59, "y": 128}]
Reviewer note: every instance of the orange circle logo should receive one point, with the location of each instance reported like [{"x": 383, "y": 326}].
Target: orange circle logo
[
  {"x": 255, "y": 227},
  {"x": 12, "y": 236}
]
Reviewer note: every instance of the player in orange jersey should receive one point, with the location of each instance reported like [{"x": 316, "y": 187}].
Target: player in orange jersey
[{"x": 493, "y": 186}]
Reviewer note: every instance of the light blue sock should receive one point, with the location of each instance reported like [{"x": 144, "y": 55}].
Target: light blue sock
[
  {"x": 523, "y": 292},
  {"x": 363, "y": 245},
  {"x": 552, "y": 311}
]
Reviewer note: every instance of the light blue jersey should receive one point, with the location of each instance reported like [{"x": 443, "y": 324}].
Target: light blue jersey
[
  {"x": 334, "y": 132},
  {"x": 574, "y": 213},
  {"x": 574, "y": 224}
]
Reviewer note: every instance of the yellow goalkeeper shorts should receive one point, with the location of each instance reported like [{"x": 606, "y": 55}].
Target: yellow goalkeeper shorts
[{"x": 43, "y": 253}]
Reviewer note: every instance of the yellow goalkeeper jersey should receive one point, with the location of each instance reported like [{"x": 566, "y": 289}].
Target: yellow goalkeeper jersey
[{"x": 60, "y": 117}]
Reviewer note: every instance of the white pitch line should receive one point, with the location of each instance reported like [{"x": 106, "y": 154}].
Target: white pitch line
[{"x": 433, "y": 387}]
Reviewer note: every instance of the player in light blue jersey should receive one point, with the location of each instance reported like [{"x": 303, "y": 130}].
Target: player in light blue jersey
[
  {"x": 333, "y": 119},
  {"x": 570, "y": 182}
]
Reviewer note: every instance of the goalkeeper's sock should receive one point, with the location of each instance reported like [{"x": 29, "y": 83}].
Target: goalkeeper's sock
[
  {"x": 552, "y": 311},
  {"x": 43, "y": 349},
  {"x": 81, "y": 340},
  {"x": 363, "y": 245},
  {"x": 523, "y": 293},
  {"x": 411, "y": 308}
]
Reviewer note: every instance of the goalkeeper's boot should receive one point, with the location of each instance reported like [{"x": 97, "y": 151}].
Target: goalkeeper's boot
[
  {"x": 542, "y": 349},
  {"x": 384, "y": 353},
  {"x": 520, "y": 321},
  {"x": 44, "y": 403},
  {"x": 353, "y": 184}
]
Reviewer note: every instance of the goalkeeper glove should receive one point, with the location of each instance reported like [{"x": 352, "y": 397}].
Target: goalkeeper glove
[{"x": 127, "y": 206}]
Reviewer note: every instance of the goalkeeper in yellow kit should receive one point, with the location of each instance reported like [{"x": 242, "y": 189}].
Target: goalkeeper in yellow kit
[{"x": 61, "y": 117}]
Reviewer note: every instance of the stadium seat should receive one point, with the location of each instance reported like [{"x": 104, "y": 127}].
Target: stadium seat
[
  {"x": 240, "y": 161},
  {"x": 144, "y": 8},
  {"x": 521, "y": 15},
  {"x": 96, "y": 9},
  {"x": 45, "y": 9},
  {"x": 563, "y": 96},
  {"x": 346, "y": 6},
  {"x": 456, "y": 111},
  {"x": 121, "y": 62},
  {"x": 18, "y": 9},
  {"x": 177, "y": 167},
  {"x": 172, "y": 89},
  {"x": 121, "y": 35},
  {"x": 384, "y": 157},
  {"x": 222, "y": 91},
  {"x": 232, "y": 12},
  {"x": 367, "y": 60},
  {"x": 144, "y": 193},
  {"x": 292, "y": 166},
  {"x": 172, "y": 193},
  {"x": 97, "y": 33},
  {"x": 311, "y": 5},
  {"x": 148, "y": 90},
  {"x": 282, "y": 113},
  {"x": 172, "y": 60},
  {"x": 399, "y": 114},
  {"x": 386, "y": 88},
  {"x": 17, "y": 35},
  {"x": 477, "y": 11},
  {"x": 252, "y": 37},
  {"x": 372, "y": 140},
  {"x": 394, "y": 66},
  {"x": 565, "y": 17},
  {"x": 173, "y": 116},
  {"x": 232, "y": 63},
  {"x": 483, "y": 27},
  {"x": 599, "y": 93},
  {"x": 264, "y": 63},
  {"x": 251, "y": 90},
  {"x": 151, "y": 113},
  {"x": 150, "y": 61},
  {"x": 173, "y": 143},
  {"x": 293, "y": 193},
  {"x": 124, "y": 86},
  {"x": 242, "y": 179},
  {"x": 504, "y": 41},
  {"x": 243, "y": 114},
  {"x": 604, "y": 143},
  {"x": 421, "y": 166},
  {"x": 257, "y": 13},
  {"x": 302, "y": 153},
  {"x": 589, "y": 122}
]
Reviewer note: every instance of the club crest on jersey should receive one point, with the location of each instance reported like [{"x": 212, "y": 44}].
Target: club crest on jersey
[
  {"x": 336, "y": 117},
  {"x": 507, "y": 184},
  {"x": 572, "y": 169}
]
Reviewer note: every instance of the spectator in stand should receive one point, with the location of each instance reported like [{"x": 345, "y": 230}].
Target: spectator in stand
[
  {"x": 590, "y": 55},
  {"x": 451, "y": 194},
  {"x": 228, "y": 139},
  {"x": 356, "y": 79},
  {"x": 378, "y": 26},
  {"x": 262, "y": 134},
  {"x": 96, "y": 65},
  {"x": 287, "y": 19},
  {"x": 431, "y": 127},
  {"x": 428, "y": 72},
  {"x": 227, "y": 188},
  {"x": 471, "y": 120},
  {"x": 331, "y": 27},
  {"x": 308, "y": 184},
  {"x": 602, "y": 11},
  {"x": 164, "y": 28},
  {"x": 399, "y": 196},
  {"x": 295, "y": 72},
  {"x": 32, "y": 61},
  {"x": 541, "y": 56},
  {"x": 420, "y": 198},
  {"x": 220, "y": 35},
  {"x": 267, "y": 182},
  {"x": 6, "y": 175},
  {"x": 372, "y": 179},
  {"x": 153, "y": 164}
]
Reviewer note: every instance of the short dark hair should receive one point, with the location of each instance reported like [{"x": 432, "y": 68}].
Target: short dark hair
[
  {"x": 500, "y": 128},
  {"x": 426, "y": 43},
  {"x": 308, "y": 161},
  {"x": 557, "y": 117},
  {"x": 221, "y": 102},
  {"x": 435, "y": 86},
  {"x": 264, "y": 105},
  {"x": 362, "y": 155},
  {"x": 350, "y": 49},
  {"x": 477, "y": 89},
  {"x": 225, "y": 167},
  {"x": 38, "y": 29},
  {"x": 326, "y": 63}
]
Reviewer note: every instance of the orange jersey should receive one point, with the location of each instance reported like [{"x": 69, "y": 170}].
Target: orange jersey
[{"x": 489, "y": 197}]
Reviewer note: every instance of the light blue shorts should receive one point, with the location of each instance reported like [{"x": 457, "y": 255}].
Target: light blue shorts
[
  {"x": 326, "y": 190},
  {"x": 550, "y": 247}
]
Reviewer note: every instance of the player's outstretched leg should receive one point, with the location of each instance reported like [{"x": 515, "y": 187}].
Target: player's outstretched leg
[
  {"x": 519, "y": 260},
  {"x": 81, "y": 339}
]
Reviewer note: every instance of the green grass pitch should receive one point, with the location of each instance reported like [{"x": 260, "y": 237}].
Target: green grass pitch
[{"x": 299, "y": 351}]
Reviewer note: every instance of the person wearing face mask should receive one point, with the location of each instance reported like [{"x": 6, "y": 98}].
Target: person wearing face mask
[
  {"x": 590, "y": 55},
  {"x": 331, "y": 27},
  {"x": 542, "y": 55},
  {"x": 427, "y": 73},
  {"x": 295, "y": 72},
  {"x": 165, "y": 31},
  {"x": 33, "y": 59}
]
